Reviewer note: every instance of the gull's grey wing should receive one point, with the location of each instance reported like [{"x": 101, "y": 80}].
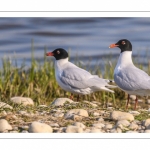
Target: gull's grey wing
[
  {"x": 132, "y": 78},
  {"x": 79, "y": 78},
  {"x": 75, "y": 77}
]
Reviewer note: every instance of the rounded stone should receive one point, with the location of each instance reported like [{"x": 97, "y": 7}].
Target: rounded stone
[
  {"x": 148, "y": 101},
  {"x": 147, "y": 123},
  {"x": 58, "y": 114},
  {"x": 108, "y": 126},
  {"x": 96, "y": 114},
  {"x": 100, "y": 119},
  {"x": 61, "y": 101},
  {"x": 147, "y": 131},
  {"x": 4, "y": 125},
  {"x": 118, "y": 115},
  {"x": 90, "y": 103},
  {"x": 37, "y": 127},
  {"x": 22, "y": 100},
  {"x": 133, "y": 126},
  {"x": 135, "y": 113},
  {"x": 99, "y": 125},
  {"x": 132, "y": 97},
  {"x": 74, "y": 129},
  {"x": 95, "y": 130},
  {"x": 4, "y": 105},
  {"x": 54, "y": 125},
  {"x": 76, "y": 112},
  {"x": 124, "y": 123},
  {"x": 79, "y": 124}
]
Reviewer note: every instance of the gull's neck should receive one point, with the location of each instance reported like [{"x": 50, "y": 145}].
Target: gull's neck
[
  {"x": 60, "y": 63},
  {"x": 125, "y": 59}
]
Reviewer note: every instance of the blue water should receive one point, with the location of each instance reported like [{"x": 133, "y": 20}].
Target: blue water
[{"x": 85, "y": 37}]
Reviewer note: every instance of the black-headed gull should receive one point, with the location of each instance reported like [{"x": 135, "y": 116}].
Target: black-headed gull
[
  {"x": 74, "y": 79},
  {"x": 127, "y": 76}
]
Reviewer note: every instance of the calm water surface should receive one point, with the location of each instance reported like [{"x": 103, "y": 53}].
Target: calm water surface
[{"x": 85, "y": 37}]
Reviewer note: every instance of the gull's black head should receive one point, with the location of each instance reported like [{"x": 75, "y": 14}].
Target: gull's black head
[
  {"x": 58, "y": 53},
  {"x": 124, "y": 45}
]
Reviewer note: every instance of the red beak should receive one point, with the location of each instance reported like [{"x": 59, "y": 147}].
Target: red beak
[
  {"x": 113, "y": 45},
  {"x": 49, "y": 54}
]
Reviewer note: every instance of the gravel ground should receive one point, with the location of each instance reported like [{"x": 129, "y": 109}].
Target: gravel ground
[{"x": 67, "y": 116}]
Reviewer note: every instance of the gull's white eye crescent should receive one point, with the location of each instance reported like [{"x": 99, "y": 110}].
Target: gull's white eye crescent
[
  {"x": 58, "y": 52},
  {"x": 123, "y": 42}
]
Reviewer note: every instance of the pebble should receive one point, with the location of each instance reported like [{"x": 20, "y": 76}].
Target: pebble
[
  {"x": 54, "y": 125},
  {"x": 4, "y": 125},
  {"x": 118, "y": 115},
  {"x": 108, "y": 126},
  {"x": 4, "y": 105},
  {"x": 116, "y": 130},
  {"x": 132, "y": 97},
  {"x": 147, "y": 123},
  {"x": 42, "y": 106},
  {"x": 61, "y": 101},
  {"x": 22, "y": 100},
  {"x": 133, "y": 126},
  {"x": 71, "y": 114},
  {"x": 148, "y": 101},
  {"x": 98, "y": 125},
  {"x": 74, "y": 129},
  {"x": 147, "y": 131},
  {"x": 100, "y": 119},
  {"x": 58, "y": 114},
  {"x": 61, "y": 130},
  {"x": 3, "y": 113},
  {"x": 90, "y": 103},
  {"x": 135, "y": 113},
  {"x": 22, "y": 112},
  {"x": 25, "y": 127},
  {"x": 96, "y": 114},
  {"x": 79, "y": 124},
  {"x": 124, "y": 123},
  {"x": 37, "y": 127},
  {"x": 95, "y": 130},
  {"x": 15, "y": 128}
]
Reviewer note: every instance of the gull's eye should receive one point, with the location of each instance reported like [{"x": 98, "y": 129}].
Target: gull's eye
[
  {"x": 123, "y": 42},
  {"x": 58, "y": 52}
]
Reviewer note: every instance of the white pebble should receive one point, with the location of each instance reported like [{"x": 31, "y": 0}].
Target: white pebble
[
  {"x": 22, "y": 100},
  {"x": 124, "y": 123},
  {"x": 133, "y": 126},
  {"x": 96, "y": 114},
  {"x": 79, "y": 124},
  {"x": 76, "y": 112},
  {"x": 118, "y": 115},
  {"x": 61, "y": 101},
  {"x": 4, "y": 105},
  {"x": 147, "y": 131},
  {"x": 37, "y": 127},
  {"x": 147, "y": 123},
  {"x": 4, "y": 125},
  {"x": 98, "y": 125},
  {"x": 74, "y": 129}
]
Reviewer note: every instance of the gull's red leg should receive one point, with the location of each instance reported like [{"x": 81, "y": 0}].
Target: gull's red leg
[
  {"x": 78, "y": 98},
  {"x": 128, "y": 101},
  {"x": 136, "y": 101}
]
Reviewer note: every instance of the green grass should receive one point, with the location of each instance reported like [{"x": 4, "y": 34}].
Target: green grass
[{"x": 39, "y": 83}]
